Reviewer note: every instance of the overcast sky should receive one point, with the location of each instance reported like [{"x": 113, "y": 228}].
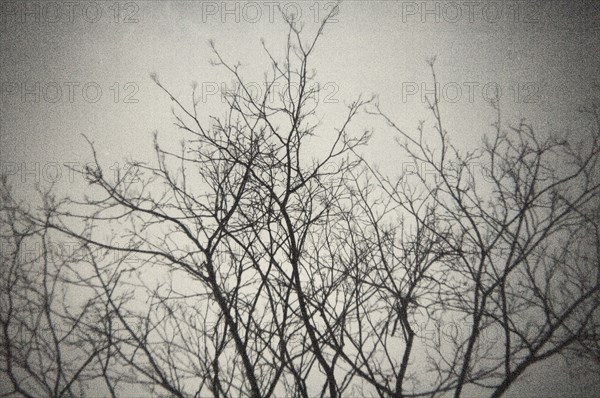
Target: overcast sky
[{"x": 77, "y": 68}]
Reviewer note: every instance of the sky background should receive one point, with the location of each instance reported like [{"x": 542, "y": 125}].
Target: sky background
[{"x": 84, "y": 68}]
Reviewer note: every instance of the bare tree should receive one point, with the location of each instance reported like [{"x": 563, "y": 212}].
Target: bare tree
[
  {"x": 513, "y": 244},
  {"x": 241, "y": 265},
  {"x": 50, "y": 345}
]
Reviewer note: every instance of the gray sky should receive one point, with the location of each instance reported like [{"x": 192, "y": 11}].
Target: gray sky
[
  {"x": 542, "y": 57},
  {"x": 84, "y": 68}
]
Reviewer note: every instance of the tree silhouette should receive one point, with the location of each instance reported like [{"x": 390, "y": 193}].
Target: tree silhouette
[{"x": 240, "y": 265}]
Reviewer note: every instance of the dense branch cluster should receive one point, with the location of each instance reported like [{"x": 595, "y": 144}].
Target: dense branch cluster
[{"x": 241, "y": 265}]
